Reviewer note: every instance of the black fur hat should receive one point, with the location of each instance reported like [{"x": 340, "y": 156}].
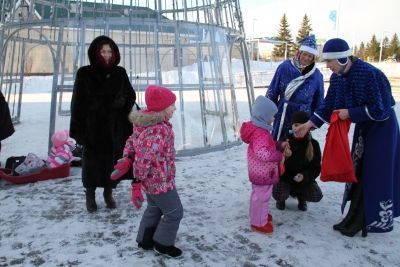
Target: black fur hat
[{"x": 300, "y": 117}]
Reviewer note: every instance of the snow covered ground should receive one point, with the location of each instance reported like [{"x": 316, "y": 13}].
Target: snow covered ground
[{"x": 46, "y": 223}]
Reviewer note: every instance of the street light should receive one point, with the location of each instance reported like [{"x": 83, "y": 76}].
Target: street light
[
  {"x": 380, "y": 52},
  {"x": 338, "y": 18},
  {"x": 252, "y": 40}
]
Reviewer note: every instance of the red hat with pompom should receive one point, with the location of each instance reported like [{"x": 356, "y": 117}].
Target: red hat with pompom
[{"x": 158, "y": 98}]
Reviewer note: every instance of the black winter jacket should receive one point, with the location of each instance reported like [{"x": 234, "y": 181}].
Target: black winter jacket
[
  {"x": 6, "y": 126},
  {"x": 298, "y": 163}
]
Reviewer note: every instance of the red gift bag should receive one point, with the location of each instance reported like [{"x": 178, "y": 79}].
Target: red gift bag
[{"x": 337, "y": 164}]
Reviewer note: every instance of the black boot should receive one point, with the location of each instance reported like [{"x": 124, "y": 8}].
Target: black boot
[
  {"x": 355, "y": 202},
  {"x": 169, "y": 251},
  {"x": 302, "y": 205},
  {"x": 280, "y": 205},
  {"x": 356, "y": 226},
  {"x": 90, "y": 193},
  {"x": 108, "y": 198},
  {"x": 147, "y": 242},
  {"x": 349, "y": 216},
  {"x": 357, "y": 222}
]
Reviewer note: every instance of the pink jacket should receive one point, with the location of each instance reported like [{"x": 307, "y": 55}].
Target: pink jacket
[
  {"x": 263, "y": 158},
  {"x": 61, "y": 155},
  {"x": 152, "y": 144}
]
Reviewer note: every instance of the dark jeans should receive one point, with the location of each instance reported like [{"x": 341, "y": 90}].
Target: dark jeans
[{"x": 283, "y": 190}]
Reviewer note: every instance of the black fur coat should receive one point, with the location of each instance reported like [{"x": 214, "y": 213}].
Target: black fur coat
[
  {"x": 6, "y": 126},
  {"x": 102, "y": 99}
]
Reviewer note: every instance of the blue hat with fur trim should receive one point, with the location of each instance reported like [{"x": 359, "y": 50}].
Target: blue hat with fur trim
[
  {"x": 336, "y": 48},
  {"x": 309, "y": 44}
]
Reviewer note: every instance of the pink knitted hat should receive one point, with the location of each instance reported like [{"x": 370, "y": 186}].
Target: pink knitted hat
[{"x": 158, "y": 98}]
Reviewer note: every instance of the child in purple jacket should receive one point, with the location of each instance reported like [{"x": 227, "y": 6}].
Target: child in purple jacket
[
  {"x": 151, "y": 145},
  {"x": 264, "y": 160}
]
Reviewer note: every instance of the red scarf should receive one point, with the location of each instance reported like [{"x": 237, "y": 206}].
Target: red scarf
[
  {"x": 337, "y": 165},
  {"x": 101, "y": 61}
]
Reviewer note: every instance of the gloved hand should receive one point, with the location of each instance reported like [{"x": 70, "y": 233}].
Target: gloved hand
[
  {"x": 137, "y": 196},
  {"x": 122, "y": 167},
  {"x": 298, "y": 178}
]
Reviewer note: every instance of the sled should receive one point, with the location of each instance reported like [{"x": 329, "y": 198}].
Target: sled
[{"x": 44, "y": 174}]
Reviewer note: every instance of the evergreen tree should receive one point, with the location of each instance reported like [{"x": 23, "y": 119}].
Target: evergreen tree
[
  {"x": 360, "y": 53},
  {"x": 385, "y": 46},
  {"x": 303, "y": 32},
  {"x": 372, "y": 50},
  {"x": 355, "y": 50},
  {"x": 285, "y": 36},
  {"x": 393, "y": 49}
]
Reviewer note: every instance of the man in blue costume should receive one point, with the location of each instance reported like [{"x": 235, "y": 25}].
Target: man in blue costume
[
  {"x": 297, "y": 86},
  {"x": 362, "y": 93}
]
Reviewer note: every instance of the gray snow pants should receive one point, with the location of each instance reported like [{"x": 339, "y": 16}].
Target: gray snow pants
[{"x": 163, "y": 211}]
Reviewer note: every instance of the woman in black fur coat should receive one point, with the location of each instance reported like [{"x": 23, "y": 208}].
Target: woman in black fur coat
[{"x": 102, "y": 99}]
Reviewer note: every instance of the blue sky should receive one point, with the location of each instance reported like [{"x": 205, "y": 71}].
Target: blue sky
[{"x": 357, "y": 19}]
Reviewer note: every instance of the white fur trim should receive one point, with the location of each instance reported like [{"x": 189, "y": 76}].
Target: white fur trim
[
  {"x": 309, "y": 50},
  {"x": 336, "y": 55},
  {"x": 320, "y": 118}
]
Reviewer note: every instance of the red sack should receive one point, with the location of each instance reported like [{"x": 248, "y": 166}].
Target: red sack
[{"x": 337, "y": 164}]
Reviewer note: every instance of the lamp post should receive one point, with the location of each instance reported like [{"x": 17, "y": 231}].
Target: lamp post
[
  {"x": 252, "y": 39},
  {"x": 338, "y": 18},
  {"x": 381, "y": 48}
]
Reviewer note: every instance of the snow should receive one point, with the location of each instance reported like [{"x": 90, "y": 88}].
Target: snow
[{"x": 46, "y": 223}]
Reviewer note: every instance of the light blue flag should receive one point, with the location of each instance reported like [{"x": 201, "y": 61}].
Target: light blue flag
[{"x": 332, "y": 16}]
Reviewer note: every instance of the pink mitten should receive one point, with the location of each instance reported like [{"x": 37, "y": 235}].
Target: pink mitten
[
  {"x": 281, "y": 168},
  {"x": 122, "y": 167},
  {"x": 137, "y": 196}
]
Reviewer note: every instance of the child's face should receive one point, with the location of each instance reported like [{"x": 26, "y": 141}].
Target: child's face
[
  {"x": 294, "y": 127},
  {"x": 169, "y": 111},
  {"x": 271, "y": 121}
]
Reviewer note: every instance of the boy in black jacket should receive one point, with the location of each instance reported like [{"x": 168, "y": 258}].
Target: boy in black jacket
[{"x": 301, "y": 169}]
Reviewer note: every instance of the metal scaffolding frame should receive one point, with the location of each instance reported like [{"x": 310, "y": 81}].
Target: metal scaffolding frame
[{"x": 156, "y": 39}]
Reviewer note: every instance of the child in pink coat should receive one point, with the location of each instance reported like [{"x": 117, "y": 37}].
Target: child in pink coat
[
  {"x": 61, "y": 151},
  {"x": 264, "y": 158},
  {"x": 151, "y": 146}
]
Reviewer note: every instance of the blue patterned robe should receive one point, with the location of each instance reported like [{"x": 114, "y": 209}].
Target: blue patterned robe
[
  {"x": 307, "y": 96},
  {"x": 366, "y": 93}
]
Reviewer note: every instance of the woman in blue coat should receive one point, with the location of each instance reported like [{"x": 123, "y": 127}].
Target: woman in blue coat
[
  {"x": 362, "y": 93},
  {"x": 297, "y": 86}
]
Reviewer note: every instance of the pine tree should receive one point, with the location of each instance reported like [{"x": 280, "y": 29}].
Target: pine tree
[
  {"x": 355, "y": 50},
  {"x": 360, "y": 51},
  {"x": 285, "y": 36},
  {"x": 303, "y": 32},
  {"x": 385, "y": 46},
  {"x": 372, "y": 50},
  {"x": 393, "y": 49}
]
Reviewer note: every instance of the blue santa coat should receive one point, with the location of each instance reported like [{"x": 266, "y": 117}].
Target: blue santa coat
[
  {"x": 307, "y": 96},
  {"x": 366, "y": 92}
]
